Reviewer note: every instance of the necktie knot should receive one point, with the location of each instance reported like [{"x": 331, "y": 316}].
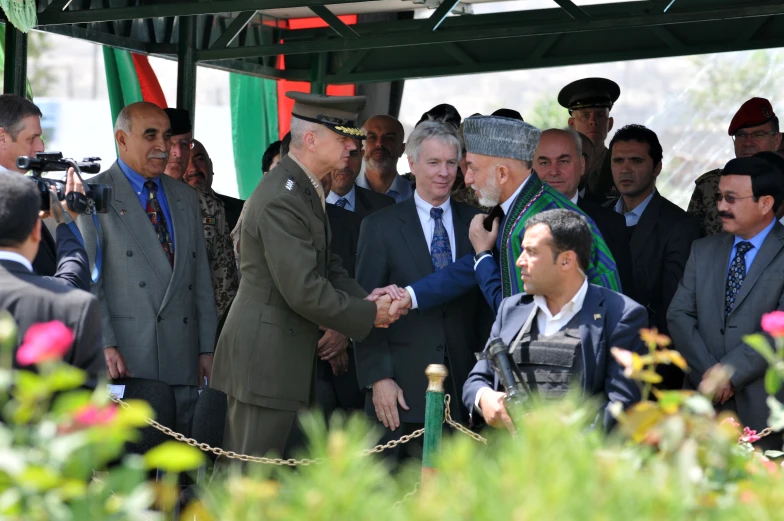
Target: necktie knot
[
  {"x": 436, "y": 213},
  {"x": 744, "y": 247},
  {"x": 341, "y": 202},
  {"x": 151, "y": 187}
]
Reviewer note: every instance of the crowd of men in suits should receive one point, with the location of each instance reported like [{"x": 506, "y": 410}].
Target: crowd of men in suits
[{"x": 341, "y": 278}]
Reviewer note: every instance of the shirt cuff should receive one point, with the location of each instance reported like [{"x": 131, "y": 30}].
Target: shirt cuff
[
  {"x": 483, "y": 257},
  {"x": 411, "y": 293},
  {"x": 479, "y": 394}
]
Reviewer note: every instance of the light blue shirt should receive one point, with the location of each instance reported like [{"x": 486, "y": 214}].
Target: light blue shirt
[
  {"x": 351, "y": 199},
  {"x": 633, "y": 217},
  {"x": 756, "y": 244},
  {"x": 400, "y": 190},
  {"x": 137, "y": 184}
]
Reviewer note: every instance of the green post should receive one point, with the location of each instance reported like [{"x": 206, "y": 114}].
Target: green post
[{"x": 434, "y": 417}]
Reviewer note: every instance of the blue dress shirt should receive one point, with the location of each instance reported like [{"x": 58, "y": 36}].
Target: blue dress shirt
[
  {"x": 756, "y": 244},
  {"x": 400, "y": 190},
  {"x": 137, "y": 184},
  {"x": 633, "y": 217}
]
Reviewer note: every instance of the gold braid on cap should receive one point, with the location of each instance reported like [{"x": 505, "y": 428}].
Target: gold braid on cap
[{"x": 352, "y": 131}]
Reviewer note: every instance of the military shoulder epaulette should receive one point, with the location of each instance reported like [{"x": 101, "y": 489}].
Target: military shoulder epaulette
[
  {"x": 290, "y": 183},
  {"x": 708, "y": 175}
]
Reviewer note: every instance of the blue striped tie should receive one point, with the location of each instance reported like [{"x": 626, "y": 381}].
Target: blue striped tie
[
  {"x": 341, "y": 202},
  {"x": 440, "y": 251},
  {"x": 735, "y": 276}
]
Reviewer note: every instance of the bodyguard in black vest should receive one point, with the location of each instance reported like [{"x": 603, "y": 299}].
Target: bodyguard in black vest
[{"x": 561, "y": 330}]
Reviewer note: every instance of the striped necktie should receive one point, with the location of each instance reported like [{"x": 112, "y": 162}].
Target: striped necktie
[
  {"x": 735, "y": 276},
  {"x": 341, "y": 202},
  {"x": 158, "y": 220}
]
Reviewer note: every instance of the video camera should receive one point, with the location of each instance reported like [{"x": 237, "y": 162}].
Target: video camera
[{"x": 96, "y": 198}]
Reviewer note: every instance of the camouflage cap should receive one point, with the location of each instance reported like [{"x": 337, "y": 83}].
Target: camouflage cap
[{"x": 337, "y": 113}]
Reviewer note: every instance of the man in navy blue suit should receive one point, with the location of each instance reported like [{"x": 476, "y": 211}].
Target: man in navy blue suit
[{"x": 560, "y": 332}]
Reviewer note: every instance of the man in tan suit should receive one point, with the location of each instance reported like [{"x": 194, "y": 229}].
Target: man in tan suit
[{"x": 291, "y": 283}]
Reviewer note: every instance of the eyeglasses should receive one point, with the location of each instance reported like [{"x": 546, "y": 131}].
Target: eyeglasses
[
  {"x": 731, "y": 198},
  {"x": 756, "y": 136}
]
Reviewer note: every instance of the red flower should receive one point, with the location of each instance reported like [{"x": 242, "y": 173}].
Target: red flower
[
  {"x": 749, "y": 435},
  {"x": 46, "y": 341},
  {"x": 773, "y": 323},
  {"x": 92, "y": 415}
]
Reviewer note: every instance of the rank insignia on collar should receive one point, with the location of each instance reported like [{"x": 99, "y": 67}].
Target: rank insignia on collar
[
  {"x": 597, "y": 316},
  {"x": 290, "y": 184}
]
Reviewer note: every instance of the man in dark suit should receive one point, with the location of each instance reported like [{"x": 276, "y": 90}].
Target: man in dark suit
[
  {"x": 400, "y": 245},
  {"x": 65, "y": 258},
  {"x": 31, "y": 298},
  {"x": 346, "y": 194},
  {"x": 731, "y": 280},
  {"x": 560, "y": 333},
  {"x": 560, "y": 163},
  {"x": 660, "y": 233}
]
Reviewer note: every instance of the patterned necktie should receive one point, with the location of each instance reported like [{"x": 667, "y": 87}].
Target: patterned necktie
[
  {"x": 341, "y": 202},
  {"x": 735, "y": 276},
  {"x": 158, "y": 220},
  {"x": 440, "y": 250}
]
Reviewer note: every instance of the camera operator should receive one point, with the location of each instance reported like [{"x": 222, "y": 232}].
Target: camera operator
[
  {"x": 20, "y": 135},
  {"x": 33, "y": 299}
]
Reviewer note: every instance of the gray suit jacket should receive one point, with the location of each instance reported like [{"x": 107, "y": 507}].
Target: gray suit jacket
[
  {"x": 159, "y": 318},
  {"x": 393, "y": 250},
  {"x": 696, "y": 317},
  {"x": 607, "y": 319},
  {"x": 31, "y": 299}
]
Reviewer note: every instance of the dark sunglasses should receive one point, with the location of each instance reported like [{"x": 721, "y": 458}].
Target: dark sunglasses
[{"x": 731, "y": 198}]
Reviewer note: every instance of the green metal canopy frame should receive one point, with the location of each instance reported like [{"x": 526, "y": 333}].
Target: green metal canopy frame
[{"x": 243, "y": 36}]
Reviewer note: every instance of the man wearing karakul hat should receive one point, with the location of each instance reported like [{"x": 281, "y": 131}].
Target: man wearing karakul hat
[{"x": 499, "y": 157}]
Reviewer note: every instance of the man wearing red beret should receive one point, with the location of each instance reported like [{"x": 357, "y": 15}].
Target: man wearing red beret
[{"x": 754, "y": 128}]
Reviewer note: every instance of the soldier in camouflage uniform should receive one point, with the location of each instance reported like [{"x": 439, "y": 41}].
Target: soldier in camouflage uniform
[
  {"x": 754, "y": 128},
  {"x": 220, "y": 250}
]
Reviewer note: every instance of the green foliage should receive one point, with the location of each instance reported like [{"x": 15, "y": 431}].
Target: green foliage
[{"x": 547, "y": 113}]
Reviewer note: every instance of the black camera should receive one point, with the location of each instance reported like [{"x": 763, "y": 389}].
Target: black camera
[{"x": 96, "y": 198}]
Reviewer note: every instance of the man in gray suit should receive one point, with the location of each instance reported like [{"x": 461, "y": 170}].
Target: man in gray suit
[
  {"x": 731, "y": 280},
  {"x": 31, "y": 298},
  {"x": 402, "y": 244},
  {"x": 157, "y": 304}
]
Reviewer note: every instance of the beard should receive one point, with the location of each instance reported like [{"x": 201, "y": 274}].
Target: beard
[
  {"x": 490, "y": 195},
  {"x": 384, "y": 162}
]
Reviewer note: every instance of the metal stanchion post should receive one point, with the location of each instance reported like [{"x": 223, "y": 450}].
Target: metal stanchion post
[{"x": 434, "y": 417}]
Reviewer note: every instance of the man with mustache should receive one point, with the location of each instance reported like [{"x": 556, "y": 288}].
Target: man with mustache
[
  {"x": 731, "y": 280},
  {"x": 158, "y": 314},
  {"x": 347, "y": 194},
  {"x": 217, "y": 235},
  {"x": 383, "y": 148},
  {"x": 753, "y": 129},
  {"x": 660, "y": 233},
  {"x": 589, "y": 102}
]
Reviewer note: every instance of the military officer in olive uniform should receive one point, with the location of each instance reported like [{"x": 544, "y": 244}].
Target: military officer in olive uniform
[
  {"x": 291, "y": 283},
  {"x": 589, "y": 102},
  {"x": 754, "y": 128}
]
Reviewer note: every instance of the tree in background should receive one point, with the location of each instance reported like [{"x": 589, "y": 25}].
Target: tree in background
[
  {"x": 39, "y": 74},
  {"x": 547, "y": 113}
]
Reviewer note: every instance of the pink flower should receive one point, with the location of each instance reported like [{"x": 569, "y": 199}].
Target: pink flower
[
  {"x": 92, "y": 415},
  {"x": 773, "y": 323},
  {"x": 729, "y": 420},
  {"x": 45, "y": 341},
  {"x": 749, "y": 435}
]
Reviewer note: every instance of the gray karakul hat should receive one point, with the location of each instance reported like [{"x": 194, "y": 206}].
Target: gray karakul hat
[
  {"x": 497, "y": 136},
  {"x": 337, "y": 113}
]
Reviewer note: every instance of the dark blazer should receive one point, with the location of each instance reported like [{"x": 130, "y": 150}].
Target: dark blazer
[
  {"x": 345, "y": 235},
  {"x": 233, "y": 208},
  {"x": 65, "y": 259},
  {"x": 31, "y": 299},
  {"x": 612, "y": 225},
  {"x": 393, "y": 250},
  {"x": 368, "y": 201},
  {"x": 607, "y": 319},
  {"x": 700, "y": 333}
]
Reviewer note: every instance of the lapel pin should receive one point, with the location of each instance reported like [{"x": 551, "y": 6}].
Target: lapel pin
[
  {"x": 597, "y": 316},
  {"x": 122, "y": 211}
]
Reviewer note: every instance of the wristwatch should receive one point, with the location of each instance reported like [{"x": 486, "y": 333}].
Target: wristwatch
[{"x": 482, "y": 254}]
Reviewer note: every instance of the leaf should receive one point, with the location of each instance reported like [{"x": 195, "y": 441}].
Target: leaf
[
  {"x": 39, "y": 478},
  {"x": 776, "y": 418},
  {"x": 30, "y": 385},
  {"x": 136, "y": 415},
  {"x": 69, "y": 402},
  {"x": 760, "y": 344},
  {"x": 774, "y": 453},
  {"x": 699, "y": 404},
  {"x": 173, "y": 456},
  {"x": 670, "y": 401},
  {"x": 640, "y": 419},
  {"x": 65, "y": 377},
  {"x": 650, "y": 377},
  {"x": 772, "y": 381}
]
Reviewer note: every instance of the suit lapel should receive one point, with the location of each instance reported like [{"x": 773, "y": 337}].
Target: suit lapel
[
  {"x": 414, "y": 237},
  {"x": 127, "y": 206},
  {"x": 717, "y": 273},
  {"x": 592, "y": 316},
  {"x": 768, "y": 251},
  {"x": 180, "y": 230},
  {"x": 362, "y": 206},
  {"x": 460, "y": 223},
  {"x": 645, "y": 226}
]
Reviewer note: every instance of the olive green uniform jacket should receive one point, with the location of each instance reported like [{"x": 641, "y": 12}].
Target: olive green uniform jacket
[{"x": 291, "y": 284}]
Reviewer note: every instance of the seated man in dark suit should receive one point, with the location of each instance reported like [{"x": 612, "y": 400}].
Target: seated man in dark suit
[
  {"x": 559, "y": 162},
  {"x": 63, "y": 257},
  {"x": 561, "y": 330},
  {"x": 31, "y": 298}
]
